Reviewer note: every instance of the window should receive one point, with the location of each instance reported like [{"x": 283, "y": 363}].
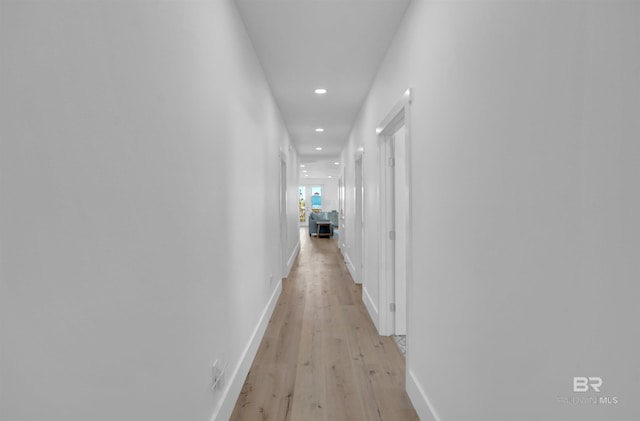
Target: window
[{"x": 316, "y": 199}]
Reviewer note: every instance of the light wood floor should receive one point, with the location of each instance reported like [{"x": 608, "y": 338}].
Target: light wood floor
[{"x": 321, "y": 357}]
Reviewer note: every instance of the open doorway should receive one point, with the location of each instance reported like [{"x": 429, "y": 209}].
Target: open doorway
[{"x": 310, "y": 200}]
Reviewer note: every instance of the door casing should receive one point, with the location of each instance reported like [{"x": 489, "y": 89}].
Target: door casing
[{"x": 397, "y": 117}]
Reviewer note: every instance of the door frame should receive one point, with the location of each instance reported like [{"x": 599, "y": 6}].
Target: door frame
[
  {"x": 358, "y": 228},
  {"x": 284, "y": 229},
  {"x": 341, "y": 211},
  {"x": 398, "y": 176},
  {"x": 398, "y": 116},
  {"x": 308, "y": 199}
]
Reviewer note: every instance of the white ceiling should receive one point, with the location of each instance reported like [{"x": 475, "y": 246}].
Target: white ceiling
[{"x": 307, "y": 44}]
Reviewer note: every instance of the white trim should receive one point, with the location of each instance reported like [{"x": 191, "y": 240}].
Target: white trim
[
  {"x": 420, "y": 400},
  {"x": 292, "y": 258},
  {"x": 386, "y": 127},
  {"x": 351, "y": 268},
  {"x": 282, "y": 213},
  {"x": 398, "y": 116},
  {"x": 371, "y": 306},
  {"x": 385, "y": 285},
  {"x": 359, "y": 230},
  {"x": 230, "y": 395}
]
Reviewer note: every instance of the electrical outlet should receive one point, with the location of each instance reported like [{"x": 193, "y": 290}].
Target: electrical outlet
[
  {"x": 214, "y": 374},
  {"x": 217, "y": 373}
]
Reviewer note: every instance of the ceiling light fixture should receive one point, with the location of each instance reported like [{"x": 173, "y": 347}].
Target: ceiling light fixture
[
  {"x": 318, "y": 149},
  {"x": 329, "y": 176},
  {"x": 336, "y": 163},
  {"x": 320, "y": 130},
  {"x": 301, "y": 165},
  {"x": 320, "y": 91}
]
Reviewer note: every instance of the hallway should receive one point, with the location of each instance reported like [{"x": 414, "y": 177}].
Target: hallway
[
  {"x": 321, "y": 357},
  {"x": 152, "y": 155}
]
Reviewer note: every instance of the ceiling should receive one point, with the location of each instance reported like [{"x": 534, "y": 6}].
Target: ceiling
[{"x": 332, "y": 44}]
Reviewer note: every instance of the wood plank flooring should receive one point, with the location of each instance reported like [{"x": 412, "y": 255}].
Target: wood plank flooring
[{"x": 321, "y": 357}]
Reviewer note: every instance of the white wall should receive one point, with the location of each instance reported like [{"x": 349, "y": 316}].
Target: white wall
[
  {"x": 129, "y": 131},
  {"x": 526, "y": 252}
]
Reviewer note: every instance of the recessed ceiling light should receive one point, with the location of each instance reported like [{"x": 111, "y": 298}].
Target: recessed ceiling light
[
  {"x": 304, "y": 171},
  {"x": 306, "y": 175},
  {"x": 336, "y": 163},
  {"x": 301, "y": 165},
  {"x": 318, "y": 149},
  {"x": 329, "y": 176},
  {"x": 319, "y": 129},
  {"x": 320, "y": 91}
]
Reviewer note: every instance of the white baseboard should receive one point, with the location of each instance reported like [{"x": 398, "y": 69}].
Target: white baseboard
[
  {"x": 224, "y": 409},
  {"x": 371, "y": 308},
  {"x": 292, "y": 259},
  {"x": 419, "y": 399},
  {"x": 350, "y": 267}
]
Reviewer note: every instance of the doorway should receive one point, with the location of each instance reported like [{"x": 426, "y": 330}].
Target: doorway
[
  {"x": 310, "y": 200},
  {"x": 358, "y": 244},
  {"x": 397, "y": 203},
  {"x": 284, "y": 232},
  {"x": 395, "y": 220}
]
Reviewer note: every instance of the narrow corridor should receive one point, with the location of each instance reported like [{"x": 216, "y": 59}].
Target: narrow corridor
[{"x": 321, "y": 357}]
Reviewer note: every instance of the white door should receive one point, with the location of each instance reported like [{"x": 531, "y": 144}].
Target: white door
[
  {"x": 358, "y": 243},
  {"x": 396, "y": 205},
  {"x": 284, "y": 234},
  {"x": 395, "y": 219},
  {"x": 401, "y": 205}
]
